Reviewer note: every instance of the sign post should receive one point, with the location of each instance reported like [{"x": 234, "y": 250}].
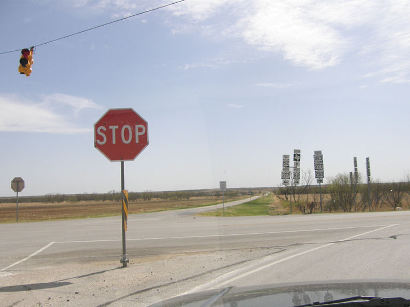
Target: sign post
[
  {"x": 356, "y": 172},
  {"x": 285, "y": 170},
  {"x": 17, "y": 185},
  {"x": 124, "y": 212},
  {"x": 296, "y": 174},
  {"x": 222, "y": 186},
  {"x": 355, "y": 177},
  {"x": 296, "y": 166},
  {"x": 120, "y": 135},
  {"x": 319, "y": 172},
  {"x": 368, "y": 181}
]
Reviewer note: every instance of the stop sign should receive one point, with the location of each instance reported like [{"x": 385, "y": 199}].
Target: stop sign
[
  {"x": 17, "y": 184},
  {"x": 121, "y": 134}
]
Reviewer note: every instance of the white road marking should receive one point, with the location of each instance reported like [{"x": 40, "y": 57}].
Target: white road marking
[
  {"x": 206, "y": 236},
  {"x": 219, "y": 235},
  {"x": 28, "y": 257},
  {"x": 227, "y": 278}
]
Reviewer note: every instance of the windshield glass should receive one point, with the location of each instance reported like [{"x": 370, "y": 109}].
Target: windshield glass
[{"x": 155, "y": 149}]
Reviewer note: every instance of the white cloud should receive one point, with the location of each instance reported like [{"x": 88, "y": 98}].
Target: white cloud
[
  {"x": 200, "y": 10},
  {"x": 286, "y": 27},
  {"x": 295, "y": 33},
  {"x": 398, "y": 79},
  {"x": 212, "y": 63},
  {"x": 235, "y": 106},
  {"x": 17, "y": 114},
  {"x": 199, "y": 65},
  {"x": 117, "y": 8},
  {"x": 274, "y": 85},
  {"x": 76, "y": 103},
  {"x": 315, "y": 34}
]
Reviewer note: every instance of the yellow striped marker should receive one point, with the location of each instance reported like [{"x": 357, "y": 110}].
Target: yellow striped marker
[{"x": 125, "y": 207}]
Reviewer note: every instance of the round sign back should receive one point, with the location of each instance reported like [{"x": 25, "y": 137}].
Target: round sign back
[{"x": 17, "y": 184}]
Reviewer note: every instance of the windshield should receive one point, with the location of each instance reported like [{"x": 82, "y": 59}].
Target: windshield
[{"x": 155, "y": 149}]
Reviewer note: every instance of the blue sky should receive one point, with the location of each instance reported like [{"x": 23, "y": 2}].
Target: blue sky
[{"x": 227, "y": 88}]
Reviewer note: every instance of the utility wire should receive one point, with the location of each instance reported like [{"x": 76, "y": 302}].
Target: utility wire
[{"x": 99, "y": 26}]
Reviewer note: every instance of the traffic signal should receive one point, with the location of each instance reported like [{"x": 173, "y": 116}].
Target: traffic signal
[{"x": 26, "y": 60}]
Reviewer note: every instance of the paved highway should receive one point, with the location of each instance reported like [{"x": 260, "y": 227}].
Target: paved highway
[{"x": 175, "y": 252}]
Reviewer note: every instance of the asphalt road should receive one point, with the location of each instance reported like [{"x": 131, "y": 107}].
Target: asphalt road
[{"x": 176, "y": 252}]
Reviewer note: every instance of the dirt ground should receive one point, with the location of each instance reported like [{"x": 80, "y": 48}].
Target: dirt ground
[
  {"x": 82, "y": 209},
  {"x": 145, "y": 281}
]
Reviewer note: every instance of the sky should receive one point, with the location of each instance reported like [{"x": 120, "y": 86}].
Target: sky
[{"x": 227, "y": 87}]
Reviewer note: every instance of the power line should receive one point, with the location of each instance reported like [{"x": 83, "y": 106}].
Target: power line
[{"x": 99, "y": 26}]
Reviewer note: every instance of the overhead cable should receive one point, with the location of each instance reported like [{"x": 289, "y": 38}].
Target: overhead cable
[{"x": 96, "y": 27}]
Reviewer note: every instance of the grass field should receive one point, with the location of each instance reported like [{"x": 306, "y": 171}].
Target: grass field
[
  {"x": 29, "y": 212},
  {"x": 266, "y": 205},
  {"x": 274, "y": 205}
]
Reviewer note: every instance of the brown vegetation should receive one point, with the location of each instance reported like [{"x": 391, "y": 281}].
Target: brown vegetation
[
  {"x": 81, "y": 209},
  {"x": 341, "y": 195}
]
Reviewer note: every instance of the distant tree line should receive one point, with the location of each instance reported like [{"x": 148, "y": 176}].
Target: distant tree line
[
  {"x": 132, "y": 196},
  {"x": 344, "y": 195}
]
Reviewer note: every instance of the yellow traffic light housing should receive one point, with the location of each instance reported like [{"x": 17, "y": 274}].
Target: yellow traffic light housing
[{"x": 26, "y": 60}]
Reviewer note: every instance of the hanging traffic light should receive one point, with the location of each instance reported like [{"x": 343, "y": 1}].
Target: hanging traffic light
[{"x": 26, "y": 60}]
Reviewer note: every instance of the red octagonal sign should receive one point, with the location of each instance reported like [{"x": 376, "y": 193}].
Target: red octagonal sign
[{"x": 121, "y": 134}]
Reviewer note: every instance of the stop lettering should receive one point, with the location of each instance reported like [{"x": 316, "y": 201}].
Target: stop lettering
[
  {"x": 121, "y": 134},
  {"x": 126, "y": 134}
]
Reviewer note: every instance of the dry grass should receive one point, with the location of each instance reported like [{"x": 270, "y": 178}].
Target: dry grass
[
  {"x": 274, "y": 205},
  {"x": 308, "y": 198},
  {"x": 267, "y": 205},
  {"x": 71, "y": 210},
  {"x": 278, "y": 207}
]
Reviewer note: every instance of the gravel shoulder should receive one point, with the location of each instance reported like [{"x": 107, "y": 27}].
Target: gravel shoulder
[{"x": 147, "y": 280}]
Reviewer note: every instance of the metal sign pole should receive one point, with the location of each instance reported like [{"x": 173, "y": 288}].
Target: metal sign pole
[
  {"x": 320, "y": 195},
  {"x": 319, "y": 173},
  {"x": 17, "y": 204},
  {"x": 124, "y": 260},
  {"x": 223, "y": 203},
  {"x": 290, "y": 207},
  {"x": 368, "y": 193},
  {"x": 292, "y": 186},
  {"x": 368, "y": 182}
]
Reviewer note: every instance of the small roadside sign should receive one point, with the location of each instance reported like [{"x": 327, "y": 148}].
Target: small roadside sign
[
  {"x": 319, "y": 174},
  {"x": 296, "y": 166},
  {"x": 222, "y": 185},
  {"x": 17, "y": 184},
  {"x": 318, "y": 164},
  {"x": 285, "y": 163},
  {"x": 368, "y": 167},
  {"x": 285, "y": 175},
  {"x": 296, "y": 155}
]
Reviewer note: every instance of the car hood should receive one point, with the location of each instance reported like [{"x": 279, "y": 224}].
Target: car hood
[{"x": 291, "y": 294}]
